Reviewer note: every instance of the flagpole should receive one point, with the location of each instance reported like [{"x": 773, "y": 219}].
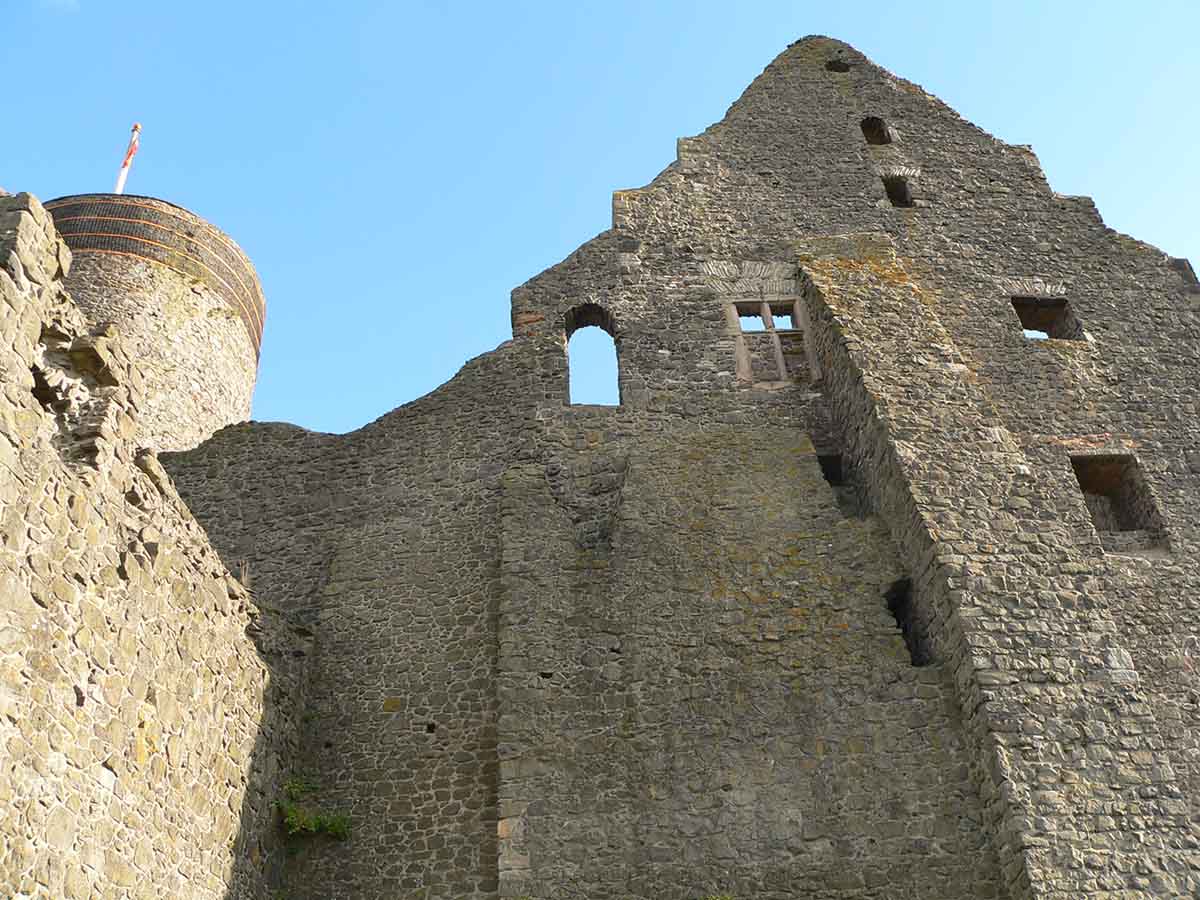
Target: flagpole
[{"x": 129, "y": 154}]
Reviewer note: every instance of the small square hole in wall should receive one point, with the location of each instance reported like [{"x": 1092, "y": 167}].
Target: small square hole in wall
[
  {"x": 1047, "y": 317},
  {"x": 1118, "y": 498}
]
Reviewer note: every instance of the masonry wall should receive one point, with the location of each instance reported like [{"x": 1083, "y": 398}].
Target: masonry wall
[
  {"x": 145, "y": 702},
  {"x": 703, "y": 689},
  {"x": 384, "y": 544},
  {"x": 604, "y": 602},
  {"x": 185, "y": 298},
  {"x": 197, "y": 362}
]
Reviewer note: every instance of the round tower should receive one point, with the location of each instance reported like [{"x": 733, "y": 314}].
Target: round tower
[{"x": 186, "y": 300}]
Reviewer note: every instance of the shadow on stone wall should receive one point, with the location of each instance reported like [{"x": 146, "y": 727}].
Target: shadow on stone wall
[{"x": 261, "y": 849}]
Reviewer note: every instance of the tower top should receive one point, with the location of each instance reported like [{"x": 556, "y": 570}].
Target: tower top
[{"x": 165, "y": 235}]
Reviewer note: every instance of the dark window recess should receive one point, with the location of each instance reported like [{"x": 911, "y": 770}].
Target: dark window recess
[
  {"x": 1118, "y": 497},
  {"x": 837, "y": 65},
  {"x": 1047, "y": 317},
  {"x": 899, "y": 192},
  {"x": 876, "y": 131},
  {"x": 900, "y": 605},
  {"x": 843, "y": 488},
  {"x": 831, "y": 468}
]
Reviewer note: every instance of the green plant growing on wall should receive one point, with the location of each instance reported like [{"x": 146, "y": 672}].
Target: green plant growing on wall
[{"x": 301, "y": 820}]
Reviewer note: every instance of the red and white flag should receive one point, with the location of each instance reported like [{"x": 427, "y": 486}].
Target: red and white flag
[{"x": 129, "y": 154}]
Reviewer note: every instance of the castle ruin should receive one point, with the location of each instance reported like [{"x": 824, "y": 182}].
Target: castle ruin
[{"x": 874, "y": 586}]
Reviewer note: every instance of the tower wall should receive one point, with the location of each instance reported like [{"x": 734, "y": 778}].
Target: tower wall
[
  {"x": 186, "y": 299},
  {"x": 145, "y": 701}
]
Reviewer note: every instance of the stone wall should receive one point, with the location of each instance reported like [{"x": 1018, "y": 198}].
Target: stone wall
[
  {"x": 145, "y": 702},
  {"x": 186, "y": 300},
  {"x": 659, "y": 650},
  {"x": 383, "y": 543},
  {"x": 705, "y": 692}
]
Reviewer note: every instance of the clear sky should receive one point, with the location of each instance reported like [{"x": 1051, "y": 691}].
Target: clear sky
[{"x": 394, "y": 169}]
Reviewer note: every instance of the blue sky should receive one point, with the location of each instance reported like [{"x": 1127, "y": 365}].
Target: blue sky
[{"x": 394, "y": 169}]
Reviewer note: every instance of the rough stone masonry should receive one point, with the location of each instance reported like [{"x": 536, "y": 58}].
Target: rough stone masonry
[{"x": 880, "y": 582}]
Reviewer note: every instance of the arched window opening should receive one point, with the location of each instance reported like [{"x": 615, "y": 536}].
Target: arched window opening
[
  {"x": 592, "y": 374},
  {"x": 876, "y": 131}
]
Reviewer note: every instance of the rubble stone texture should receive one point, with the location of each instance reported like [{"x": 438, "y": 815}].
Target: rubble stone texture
[
  {"x": 145, "y": 702},
  {"x": 894, "y": 598}
]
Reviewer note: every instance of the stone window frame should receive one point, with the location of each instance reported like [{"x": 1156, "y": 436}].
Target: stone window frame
[{"x": 767, "y": 308}]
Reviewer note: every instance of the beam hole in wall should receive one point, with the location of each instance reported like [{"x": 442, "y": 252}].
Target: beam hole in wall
[
  {"x": 876, "y": 131},
  {"x": 1119, "y": 500},
  {"x": 837, "y": 65},
  {"x": 899, "y": 191},
  {"x": 900, "y": 604},
  {"x": 593, "y": 369},
  {"x": 1043, "y": 318}
]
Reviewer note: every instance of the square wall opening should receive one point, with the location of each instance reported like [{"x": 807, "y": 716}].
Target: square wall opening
[
  {"x": 1118, "y": 497},
  {"x": 899, "y": 190},
  {"x": 1047, "y": 317}
]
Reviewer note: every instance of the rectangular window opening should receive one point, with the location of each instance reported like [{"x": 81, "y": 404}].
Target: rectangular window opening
[
  {"x": 899, "y": 191},
  {"x": 751, "y": 322},
  {"x": 772, "y": 344},
  {"x": 1043, "y": 318},
  {"x": 1118, "y": 498}
]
